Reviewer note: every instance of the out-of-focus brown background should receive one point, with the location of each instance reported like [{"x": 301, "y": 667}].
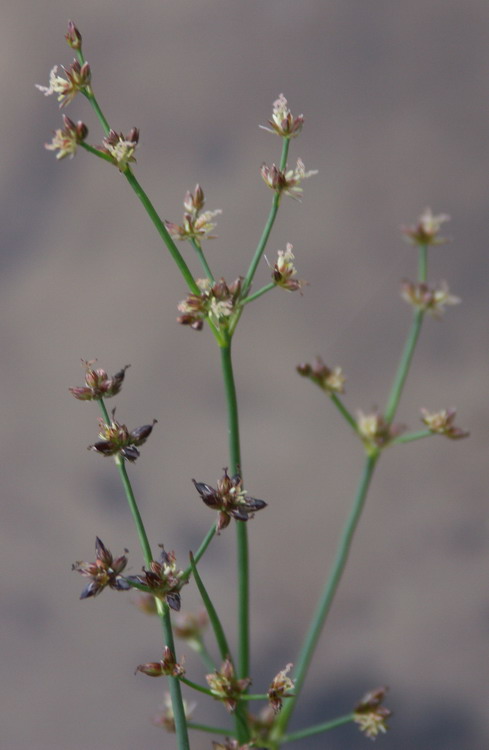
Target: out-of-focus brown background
[{"x": 395, "y": 96}]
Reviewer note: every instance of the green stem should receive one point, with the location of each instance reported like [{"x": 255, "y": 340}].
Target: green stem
[
  {"x": 162, "y": 608},
  {"x": 219, "y": 633},
  {"x": 242, "y": 554},
  {"x": 344, "y": 411},
  {"x": 88, "y": 93},
  {"x": 407, "y": 355},
  {"x": 411, "y": 436},
  {"x": 423, "y": 264},
  {"x": 162, "y": 231},
  {"x": 196, "y": 686},
  {"x": 97, "y": 152},
  {"x": 211, "y": 730},
  {"x": 326, "y": 726},
  {"x": 205, "y": 543},
  {"x": 268, "y": 226},
  {"x": 242, "y": 540},
  {"x": 327, "y": 597},
  {"x": 202, "y": 259},
  {"x": 404, "y": 364},
  {"x": 259, "y": 293},
  {"x": 200, "y": 648}
]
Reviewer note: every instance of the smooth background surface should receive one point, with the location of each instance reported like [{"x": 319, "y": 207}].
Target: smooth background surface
[{"x": 395, "y": 100}]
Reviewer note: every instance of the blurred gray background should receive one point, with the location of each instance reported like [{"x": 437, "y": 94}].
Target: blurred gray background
[{"x": 397, "y": 118}]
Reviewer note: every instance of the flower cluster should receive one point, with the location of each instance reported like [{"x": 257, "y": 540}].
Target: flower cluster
[
  {"x": 261, "y": 725},
  {"x": 73, "y": 36},
  {"x": 230, "y": 744},
  {"x": 105, "y": 571},
  {"x": 442, "y": 422},
  {"x": 168, "y": 666},
  {"x": 375, "y": 431},
  {"x": 230, "y": 499},
  {"x": 121, "y": 147},
  {"x": 217, "y": 301},
  {"x": 115, "y": 438},
  {"x": 163, "y": 579},
  {"x": 284, "y": 270},
  {"x": 166, "y": 719},
  {"x": 280, "y": 686},
  {"x": 77, "y": 79},
  {"x": 66, "y": 140},
  {"x": 431, "y": 300},
  {"x": 189, "y": 626},
  {"x": 282, "y": 122},
  {"x": 225, "y": 687},
  {"x": 427, "y": 230},
  {"x": 370, "y": 715},
  {"x": 331, "y": 381},
  {"x": 197, "y": 224},
  {"x": 98, "y": 384},
  {"x": 286, "y": 181}
]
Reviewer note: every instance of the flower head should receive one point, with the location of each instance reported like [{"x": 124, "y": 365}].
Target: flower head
[
  {"x": 431, "y": 300},
  {"x": 370, "y": 715},
  {"x": 442, "y": 423},
  {"x": 121, "y": 147},
  {"x": 230, "y": 744},
  {"x": 73, "y": 36},
  {"x": 77, "y": 79},
  {"x": 375, "y": 432},
  {"x": 66, "y": 140},
  {"x": 427, "y": 230},
  {"x": 167, "y": 666},
  {"x": 166, "y": 719},
  {"x": 189, "y": 626},
  {"x": 284, "y": 270},
  {"x": 282, "y": 122},
  {"x": 280, "y": 686},
  {"x": 225, "y": 687},
  {"x": 98, "y": 384},
  {"x": 197, "y": 224},
  {"x": 230, "y": 499},
  {"x": 217, "y": 301},
  {"x": 331, "y": 381},
  {"x": 163, "y": 579},
  {"x": 105, "y": 571},
  {"x": 286, "y": 181},
  {"x": 115, "y": 438},
  {"x": 261, "y": 725}
]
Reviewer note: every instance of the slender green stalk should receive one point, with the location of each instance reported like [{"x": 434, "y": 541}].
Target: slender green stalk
[
  {"x": 162, "y": 231},
  {"x": 407, "y": 355},
  {"x": 344, "y": 411},
  {"x": 202, "y": 259},
  {"x": 161, "y": 607},
  {"x": 268, "y": 226},
  {"x": 423, "y": 263},
  {"x": 88, "y": 93},
  {"x": 324, "y": 604},
  {"x": 242, "y": 539},
  {"x": 404, "y": 364},
  {"x": 211, "y": 730},
  {"x": 326, "y": 726},
  {"x": 259, "y": 293},
  {"x": 411, "y": 436},
  {"x": 242, "y": 554},
  {"x": 200, "y": 552},
  {"x": 97, "y": 152},
  {"x": 200, "y": 648},
  {"x": 222, "y": 643},
  {"x": 196, "y": 686}
]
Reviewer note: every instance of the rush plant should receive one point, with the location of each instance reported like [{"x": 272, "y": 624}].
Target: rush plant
[{"x": 218, "y": 304}]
